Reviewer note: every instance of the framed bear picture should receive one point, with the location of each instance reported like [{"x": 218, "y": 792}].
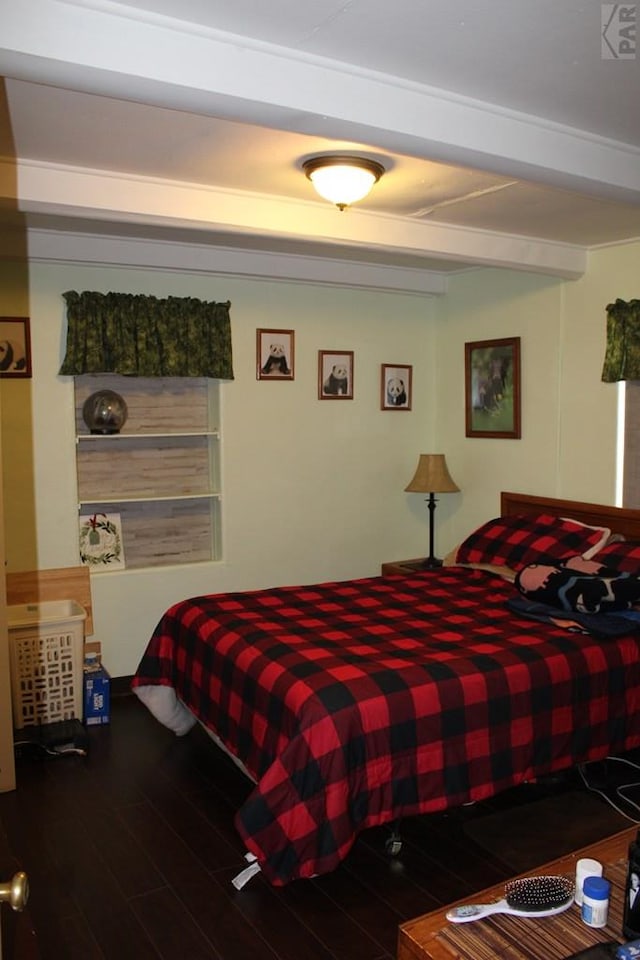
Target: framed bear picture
[
  {"x": 492, "y": 388},
  {"x": 395, "y": 386},
  {"x": 275, "y": 354},
  {"x": 15, "y": 347},
  {"x": 335, "y": 374}
]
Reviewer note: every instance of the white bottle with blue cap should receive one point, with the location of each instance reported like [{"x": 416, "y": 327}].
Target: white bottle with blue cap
[{"x": 595, "y": 901}]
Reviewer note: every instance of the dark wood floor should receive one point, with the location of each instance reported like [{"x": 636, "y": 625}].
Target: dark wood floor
[{"x": 131, "y": 851}]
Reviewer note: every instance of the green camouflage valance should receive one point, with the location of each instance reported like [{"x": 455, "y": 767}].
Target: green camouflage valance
[
  {"x": 142, "y": 336},
  {"x": 622, "y": 356}
]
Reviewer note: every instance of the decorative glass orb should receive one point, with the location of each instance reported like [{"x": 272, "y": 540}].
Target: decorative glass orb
[{"x": 104, "y": 412}]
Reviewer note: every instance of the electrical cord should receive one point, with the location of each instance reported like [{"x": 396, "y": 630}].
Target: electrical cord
[
  {"x": 51, "y": 751},
  {"x": 63, "y": 751},
  {"x": 619, "y": 790}
]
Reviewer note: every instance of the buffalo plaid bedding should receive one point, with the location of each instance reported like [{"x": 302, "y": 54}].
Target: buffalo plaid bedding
[{"x": 352, "y": 704}]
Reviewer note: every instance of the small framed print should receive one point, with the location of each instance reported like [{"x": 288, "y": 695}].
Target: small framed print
[
  {"x": 492, "y": 388},
  {"x": 15, "y": 347},
  {"x": 335, "y": 375},
  {"x": 275, "y": 354},
  {"x": 395, "y": 386}
]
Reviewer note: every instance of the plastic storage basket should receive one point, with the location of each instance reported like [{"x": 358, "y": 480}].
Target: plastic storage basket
[{"x": 46, "y": 652}]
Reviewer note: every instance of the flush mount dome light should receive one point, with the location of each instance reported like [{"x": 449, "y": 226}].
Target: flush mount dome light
[{"x": 342, "y": 180}]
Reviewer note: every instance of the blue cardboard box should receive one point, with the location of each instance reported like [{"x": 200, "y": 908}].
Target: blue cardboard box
[{"x": 97, "y": 684}]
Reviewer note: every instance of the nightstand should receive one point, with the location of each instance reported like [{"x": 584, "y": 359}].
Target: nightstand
[{"x": 402, "y": 566}]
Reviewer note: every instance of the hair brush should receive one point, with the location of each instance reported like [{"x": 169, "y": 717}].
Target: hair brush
[{"x": 525, "y": 897}]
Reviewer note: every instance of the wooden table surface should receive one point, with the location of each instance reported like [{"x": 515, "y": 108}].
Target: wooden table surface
[{"x": 422, "y": 938}]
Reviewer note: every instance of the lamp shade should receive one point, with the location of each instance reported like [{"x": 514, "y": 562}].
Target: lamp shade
[
  {"x": 342, "y": 180},
  {"x": 431, "y": 476}
]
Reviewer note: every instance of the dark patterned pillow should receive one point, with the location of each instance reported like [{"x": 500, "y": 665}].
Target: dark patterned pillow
[
  {"x": 623, "y": 556},
  {"x": 517, "y": 541}
]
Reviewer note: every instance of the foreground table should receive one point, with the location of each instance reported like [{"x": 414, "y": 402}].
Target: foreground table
[{"x": 433, "y": 937}]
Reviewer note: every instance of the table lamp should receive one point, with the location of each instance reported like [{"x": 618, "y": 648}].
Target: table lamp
[{"x": 432, "y": 476}]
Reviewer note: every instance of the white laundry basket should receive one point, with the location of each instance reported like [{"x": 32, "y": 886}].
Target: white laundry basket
[{"x": 46, "y": 643}]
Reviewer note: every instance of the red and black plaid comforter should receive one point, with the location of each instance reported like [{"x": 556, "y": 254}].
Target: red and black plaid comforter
[{"x": 355, "y": 703}]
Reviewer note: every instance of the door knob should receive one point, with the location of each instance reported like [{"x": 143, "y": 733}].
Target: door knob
[{"x": 16, "y": 891}]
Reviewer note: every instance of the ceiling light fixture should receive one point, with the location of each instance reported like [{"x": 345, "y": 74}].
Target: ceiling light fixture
[{"x": 342, "y": 180}]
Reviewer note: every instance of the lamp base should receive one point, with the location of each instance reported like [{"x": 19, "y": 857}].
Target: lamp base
[{"x": 431, "y": 563}]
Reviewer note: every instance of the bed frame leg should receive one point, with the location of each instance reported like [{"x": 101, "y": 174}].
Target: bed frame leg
[{"x": 393, "y": 843}]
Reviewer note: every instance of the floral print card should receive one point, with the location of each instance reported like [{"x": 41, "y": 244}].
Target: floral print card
[{"x": 101, "y": 546}]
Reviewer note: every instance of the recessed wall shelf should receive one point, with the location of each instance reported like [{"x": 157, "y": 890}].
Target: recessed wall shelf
[
  {"x": 126, "y": 499},
  {"x": 161, "y": 473},
  {"x": 115, "y": 437}
]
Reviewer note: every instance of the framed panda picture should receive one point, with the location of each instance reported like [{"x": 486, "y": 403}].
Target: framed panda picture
[
  {"x": 15, "y": 347},
  {"x": 275, "y": 355},
  {"x": 335, "y": 374},
  {"x": 395, "y": 386}
]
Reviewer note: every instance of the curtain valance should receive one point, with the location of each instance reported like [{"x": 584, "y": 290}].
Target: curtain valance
[
  {"x": 143, "y": 336},
  {"x": 622, "y": 356}
]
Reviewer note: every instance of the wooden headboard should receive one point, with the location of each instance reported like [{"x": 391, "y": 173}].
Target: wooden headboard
[{"x": 618, "y": 519}]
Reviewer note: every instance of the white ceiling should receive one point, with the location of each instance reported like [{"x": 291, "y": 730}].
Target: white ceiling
[{"x": 509, "y": 131}]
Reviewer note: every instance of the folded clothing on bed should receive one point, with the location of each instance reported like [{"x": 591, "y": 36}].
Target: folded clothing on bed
[
  {"x": 562, "y": 587},
  {"x": 617, "y": 623}
]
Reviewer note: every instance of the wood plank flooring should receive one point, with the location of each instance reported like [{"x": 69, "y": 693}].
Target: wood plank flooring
[{"x": 131, "y": 851}]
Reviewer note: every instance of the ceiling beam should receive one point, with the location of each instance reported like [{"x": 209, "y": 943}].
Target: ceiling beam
[
  {"x": 102, "y": 47},
  {"x": 52, "y": 246},
  {"x": 59, "y": 190}
]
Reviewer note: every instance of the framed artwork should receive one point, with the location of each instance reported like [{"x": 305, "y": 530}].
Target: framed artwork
[
  {"x": 15, "y": 347},
  {"x": 335, "y": 375},
  {"x": 395, "y": 386},
  {"x": 275, "y": 354},
  {"x": 492, "y": 388}
]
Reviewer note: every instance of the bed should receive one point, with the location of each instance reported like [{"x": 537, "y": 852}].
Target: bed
[{"x": 357, "y": 703}]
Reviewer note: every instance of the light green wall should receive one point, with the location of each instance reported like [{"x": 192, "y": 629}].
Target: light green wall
[
  {"x": 569, "y": 417},
  {"x": 492, "y": 304},
  {"x": 16, "y": 425},
  {"x": 589, "y": 407},
  {"x": 312, "y": 490}
]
